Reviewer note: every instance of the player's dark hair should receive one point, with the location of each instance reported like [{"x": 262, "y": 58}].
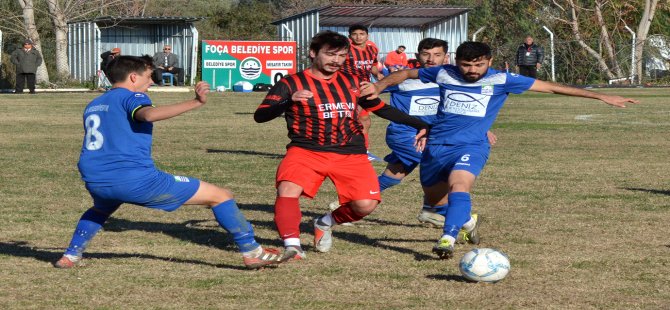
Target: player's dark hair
[
  {"x": 430, "y": 43},
  {"x": 121, "y": 66},
  {"x": 357, "y": 27},
  {"x": 470, "y": 51},
  {"x": 402, "y": 46},
  {"x": 333, "y": 39}
]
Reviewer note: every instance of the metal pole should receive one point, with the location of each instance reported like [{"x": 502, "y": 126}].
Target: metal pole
[
  {"x": 632, "y": 57},
  {"x": 474, "y": 35},
  {"x": 551, "y": 39}
]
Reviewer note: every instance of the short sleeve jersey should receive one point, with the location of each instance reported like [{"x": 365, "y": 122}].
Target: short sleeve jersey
[
  {"x": 359, "y": 61},
  {"x": 468, "y": 109},
  {"x": 417, "y": 99},
  {"x": 327, "y": 122},
  {"x": 116, "y": 148}
]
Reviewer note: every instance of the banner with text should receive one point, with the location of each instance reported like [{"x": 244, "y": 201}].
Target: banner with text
[{"x": 225, "y": 63}]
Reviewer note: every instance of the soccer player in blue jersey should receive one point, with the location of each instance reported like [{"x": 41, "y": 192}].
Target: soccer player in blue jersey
[
  {"x": 421, "y": 100},
  {"x": 116, "y": 165},
  {"x": 471, "y": 95}
]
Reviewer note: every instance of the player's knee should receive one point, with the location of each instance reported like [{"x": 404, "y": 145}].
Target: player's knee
[{"x": 364, "y": 207}]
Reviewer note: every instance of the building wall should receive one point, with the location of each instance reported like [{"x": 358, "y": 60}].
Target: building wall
[
  {"x": 88, "y": 40},
  {"x": 303, "y": 27}
]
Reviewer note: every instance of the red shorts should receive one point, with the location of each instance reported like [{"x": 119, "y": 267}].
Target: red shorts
[{"x": 353, "y": 174}]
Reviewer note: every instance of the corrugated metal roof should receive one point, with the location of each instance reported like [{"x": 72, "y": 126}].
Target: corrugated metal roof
[
  {"x": 141, "y": 19},
  {"x": 381, "y": 15}
]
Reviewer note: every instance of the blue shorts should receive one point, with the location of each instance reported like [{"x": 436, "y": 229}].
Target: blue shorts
[
  {"x": 440, "y": 160},
  {"x": 161, "y": 191},
  {"x": 402, "y": 149}
]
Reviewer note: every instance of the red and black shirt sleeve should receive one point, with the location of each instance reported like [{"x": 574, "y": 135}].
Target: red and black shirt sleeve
[
  {"x": 275, "y": 103},
  {"x": 390, "y": 113}
]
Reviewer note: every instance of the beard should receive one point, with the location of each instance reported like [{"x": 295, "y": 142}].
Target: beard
[{"x": 472, "y": 77}]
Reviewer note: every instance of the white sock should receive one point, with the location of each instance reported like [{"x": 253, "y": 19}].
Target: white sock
[
  {"x": 451, "y": 239},
  {"x": 326, "y": 221},
  {"x": 292, "y": 242},
  {"x": 253, "y": 253},
  {"x": 469, "y": 225},
  {"x": 73, "y": 258}
]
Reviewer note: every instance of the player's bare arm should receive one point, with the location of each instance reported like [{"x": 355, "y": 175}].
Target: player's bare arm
[
  {"x": 395, "y": 78},
  {"x": 553, "y": 88},
  {"x": 154, "y": 114}
]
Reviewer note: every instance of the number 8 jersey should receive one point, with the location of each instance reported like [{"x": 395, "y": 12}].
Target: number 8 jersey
[{"x": 116, "y": 147}]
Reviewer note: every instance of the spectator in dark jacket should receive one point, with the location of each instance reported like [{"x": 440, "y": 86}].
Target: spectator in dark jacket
[
  {"x": 107, "y": 57},
  {"x": 26, "y": 59},
  {"x": 529, "y": 58}
]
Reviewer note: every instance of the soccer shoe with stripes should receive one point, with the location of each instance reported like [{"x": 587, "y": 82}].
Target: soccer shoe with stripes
[
  {"x": 323, "y": 237},
  {"x": 428, "y": 216},
  {"x": 267, "y": 257},
  {"x": 67, "y": 262},
  {"x": 471, "y": 236},
  {"x": 444, "y": 249},
  {"x": 293, "y": 253}
]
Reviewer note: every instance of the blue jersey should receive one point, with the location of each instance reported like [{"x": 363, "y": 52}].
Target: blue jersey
[
  {"x": 116, "y": 148},
  {"x": 417, "y": 99},
  {"x": 468, "y": 109}
]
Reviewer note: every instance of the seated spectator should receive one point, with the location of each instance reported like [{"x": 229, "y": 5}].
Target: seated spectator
[{"x": 167, "y": 62}]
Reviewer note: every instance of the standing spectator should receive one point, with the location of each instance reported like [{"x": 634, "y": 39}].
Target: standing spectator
[
  {"x": 167, "y": 62},
  {"x": 529, "y": 57},
  {"x": 26, "y": 59},
  {"x": 107, "y": 57},
  {"x": 396, "y": 60}
]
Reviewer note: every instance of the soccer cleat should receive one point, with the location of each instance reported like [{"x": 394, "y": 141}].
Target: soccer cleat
[
  {"x": 323, "y": 238},
  {"x": 67, "y": 262},
  {"x": 267, "y": 257},
  {"x": 471, "y": 236},
  {"x": 293, "y": 253},
  {"x": 444, "y": 249},
  {"x": 430, "y": 217}
]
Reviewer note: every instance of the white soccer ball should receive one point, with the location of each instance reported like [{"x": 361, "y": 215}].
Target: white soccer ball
[{"x": 484, "y": 265}]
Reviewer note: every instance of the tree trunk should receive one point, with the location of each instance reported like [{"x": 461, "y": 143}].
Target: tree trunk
[
  {"x": 59, "y": 20},
  {"x": 642, "y": 32},
  {"x": 31, "y": 28}
]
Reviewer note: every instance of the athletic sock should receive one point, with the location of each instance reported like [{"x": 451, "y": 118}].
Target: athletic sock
[
  {"x": 253, "y": 253},
  {"x": 386, "y": 181},
  {"x": 470, "y": 224},
  {"x": 294, "y": 242},
  {"x": 229, "y": 217},
  {"x": 345, "y": 214},
  {"x": 458, "y": 212},
  {"x": 326, "y": 221},
  {"x": 439, "y": 209},
  {"x": 287, "y": 217},
  {"x": 450, "y": 238},
  {"x": 89, "y": 224}
]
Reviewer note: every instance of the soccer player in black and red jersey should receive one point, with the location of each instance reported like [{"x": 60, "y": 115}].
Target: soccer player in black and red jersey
[
  {"x": 361, "y": 62},
  {"x": 320, "y": 106}
]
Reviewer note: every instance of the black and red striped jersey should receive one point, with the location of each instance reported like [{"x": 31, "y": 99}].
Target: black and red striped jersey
[
  {"x": 326, "y": 122},
  {"x": 359, "y": 61}
]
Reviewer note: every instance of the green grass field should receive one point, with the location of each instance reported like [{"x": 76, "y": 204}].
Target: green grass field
[{"x": 575, "y": 192}]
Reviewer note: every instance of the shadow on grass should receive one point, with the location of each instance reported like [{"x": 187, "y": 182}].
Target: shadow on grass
[
  {"x": 50, "y": 255},
  {"x": 254, "y": 153},
  {"x": 448, "y": 277},
  {"x": 647, "y": 190},
  {"x": 338, "y": 233}
]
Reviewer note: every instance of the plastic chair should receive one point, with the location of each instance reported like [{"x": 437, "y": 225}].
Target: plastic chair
[{"x": 168, "y": 79}]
